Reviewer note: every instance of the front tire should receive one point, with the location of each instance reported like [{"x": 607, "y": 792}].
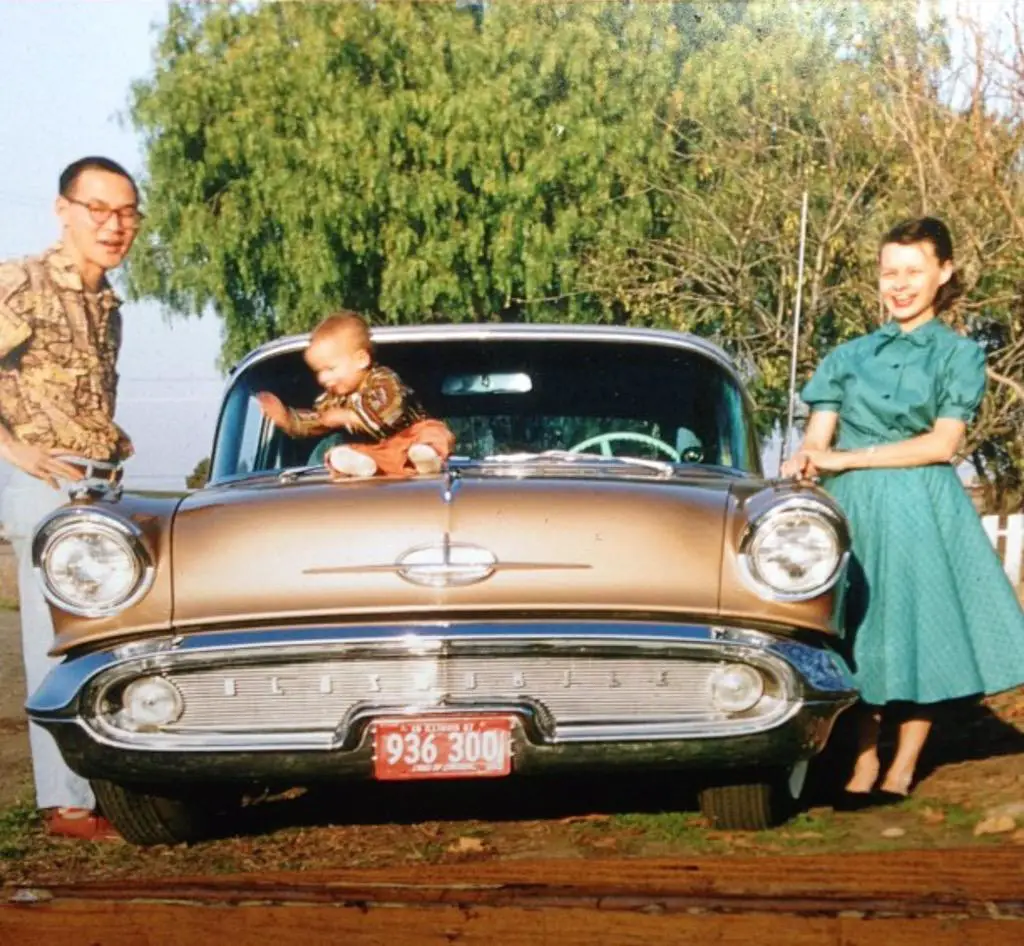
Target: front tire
[
  {"x": 767, "y": 800},
  {"x": 145, "y": 818}
]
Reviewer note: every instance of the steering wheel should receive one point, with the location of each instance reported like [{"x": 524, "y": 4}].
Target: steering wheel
[{"x": 605, "y": 440}]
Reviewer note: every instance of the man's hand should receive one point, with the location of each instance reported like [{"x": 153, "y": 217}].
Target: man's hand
[
  {"x": 274, "y": 409},
  {"x": 38, "y": 462}
]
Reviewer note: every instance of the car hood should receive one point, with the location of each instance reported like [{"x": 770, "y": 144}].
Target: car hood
[{"x": 267, "y": 551}]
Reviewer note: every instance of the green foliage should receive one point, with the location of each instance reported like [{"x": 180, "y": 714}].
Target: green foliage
[
  {"x": 198, "y": 477},
  {"x": 786, "y": 102},
  {"x": 856, "y": 105},
  {"x": 580, "y": 162},
  {"x": 410, "y": 161}
]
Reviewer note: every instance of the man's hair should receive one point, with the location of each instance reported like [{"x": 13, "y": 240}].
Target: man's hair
[
  {"x": 70, "y": 175},
  {"x": 344, "y": 323},
  {"x": 933, "y": 231}
]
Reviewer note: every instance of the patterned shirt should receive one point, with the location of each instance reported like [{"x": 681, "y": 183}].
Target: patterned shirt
[
  {"x": 383, "y": 404},
  {"x": 58, "y": 355}
]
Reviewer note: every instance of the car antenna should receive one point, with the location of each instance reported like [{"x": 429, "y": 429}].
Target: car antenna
[{"x": 787, "y": 436}]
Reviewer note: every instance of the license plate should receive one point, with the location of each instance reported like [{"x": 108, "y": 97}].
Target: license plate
[{"x": 442, "y": 747}]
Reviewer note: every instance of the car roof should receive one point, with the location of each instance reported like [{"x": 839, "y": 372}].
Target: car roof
[{"x": 498, "y": 331}]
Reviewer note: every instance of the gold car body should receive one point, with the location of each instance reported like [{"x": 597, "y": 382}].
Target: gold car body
[{"x": 592, "y": 602}]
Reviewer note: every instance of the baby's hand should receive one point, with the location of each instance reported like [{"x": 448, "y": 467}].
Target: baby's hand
[{"x": 273, "y": 408}]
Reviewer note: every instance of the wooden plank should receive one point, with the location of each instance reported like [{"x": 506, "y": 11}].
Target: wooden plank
[
  {"x": 162, "y": 924},
  {"x": 983, "y": 874},
  {"x": 931, "y": 898}
]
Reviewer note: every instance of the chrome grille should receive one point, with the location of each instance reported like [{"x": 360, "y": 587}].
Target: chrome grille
[{"x": 317, "y": 696}]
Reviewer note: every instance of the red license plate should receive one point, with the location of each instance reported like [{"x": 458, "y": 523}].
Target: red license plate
[{"x": 442, "y": 747}]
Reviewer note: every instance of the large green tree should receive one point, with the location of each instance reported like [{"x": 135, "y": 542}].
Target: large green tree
[
  {"x": 628, "y": 162},
  {"x": 861, "y": 106},
  {"x": 411, "y": 161}
]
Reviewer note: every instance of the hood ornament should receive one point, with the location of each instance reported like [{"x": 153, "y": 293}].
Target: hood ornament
[{"x": 446, "y": 564}]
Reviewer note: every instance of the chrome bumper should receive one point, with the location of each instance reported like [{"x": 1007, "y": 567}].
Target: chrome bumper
[{"x": 817, "y": 689}]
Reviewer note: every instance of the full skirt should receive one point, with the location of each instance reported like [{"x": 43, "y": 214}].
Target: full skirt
[{"x": 931, "y": 614}]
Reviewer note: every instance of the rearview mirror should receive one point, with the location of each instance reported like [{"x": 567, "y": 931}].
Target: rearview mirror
[{"x": 508, "y": 383}]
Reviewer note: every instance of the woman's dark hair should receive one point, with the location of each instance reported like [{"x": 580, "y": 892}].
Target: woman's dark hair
[{"x": 934, "y": 231}]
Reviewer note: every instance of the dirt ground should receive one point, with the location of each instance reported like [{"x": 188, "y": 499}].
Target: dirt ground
[
  {"x": 14, "y": 764},
  {"x": 972, "y": 796}
]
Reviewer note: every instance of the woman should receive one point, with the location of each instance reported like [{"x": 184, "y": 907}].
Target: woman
[{"x": 931, "y": 614}]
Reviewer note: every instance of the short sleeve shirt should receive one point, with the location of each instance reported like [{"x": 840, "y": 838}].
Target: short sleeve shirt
[
  {"x": 892, "y": 385},
  {"x": 58, "y": 357}
]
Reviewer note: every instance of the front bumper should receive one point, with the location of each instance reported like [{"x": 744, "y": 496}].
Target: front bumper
[{"x": 815, "y": 683}]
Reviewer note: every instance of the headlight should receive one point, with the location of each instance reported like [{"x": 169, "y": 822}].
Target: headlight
[
  {"x": 91, "y": 564},
  {"x": 149, "y": 703},
  {"x": 795, "y": 551},
  {"x": 735, "y": 688}
]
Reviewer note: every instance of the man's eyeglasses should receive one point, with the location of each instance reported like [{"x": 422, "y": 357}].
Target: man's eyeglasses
[{"x": 129, "y": 217}]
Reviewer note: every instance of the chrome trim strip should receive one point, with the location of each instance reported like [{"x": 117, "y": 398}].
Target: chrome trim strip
[
  {"x": 486, "y": 331},
  {"x": 806, "y": 673}
]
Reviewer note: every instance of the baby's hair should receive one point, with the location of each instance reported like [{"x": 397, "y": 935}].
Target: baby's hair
[
  {"x": 933, "y": 231},
  {"x": 341, "y": 323}
]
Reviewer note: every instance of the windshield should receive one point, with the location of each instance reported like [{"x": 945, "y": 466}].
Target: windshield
[{"x": 513, "y": 396}]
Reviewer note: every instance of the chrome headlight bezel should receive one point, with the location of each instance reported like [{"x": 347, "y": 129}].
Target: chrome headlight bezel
[
  {"x": 68, "y": 522},
  {"x": 828, "y": 517}
]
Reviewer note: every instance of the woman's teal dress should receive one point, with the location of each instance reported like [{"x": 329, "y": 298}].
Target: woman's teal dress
[{"x": 931, "y": 614}]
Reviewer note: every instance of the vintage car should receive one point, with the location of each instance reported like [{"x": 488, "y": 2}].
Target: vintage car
[{"x": 601, "y": 578}]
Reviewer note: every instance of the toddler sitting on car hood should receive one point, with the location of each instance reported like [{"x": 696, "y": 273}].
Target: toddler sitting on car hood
[{"x": 391, "y": 431}]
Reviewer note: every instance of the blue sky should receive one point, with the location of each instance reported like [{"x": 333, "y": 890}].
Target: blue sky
[{"x": 65, "y": 73}]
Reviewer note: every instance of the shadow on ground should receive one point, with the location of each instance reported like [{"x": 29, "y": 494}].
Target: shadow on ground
[
  {"x": 492, "y": 800},
  {"x": 965, "y": 730}
]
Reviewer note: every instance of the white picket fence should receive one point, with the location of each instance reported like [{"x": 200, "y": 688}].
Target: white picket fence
[{"x": 1010, "y": 529}]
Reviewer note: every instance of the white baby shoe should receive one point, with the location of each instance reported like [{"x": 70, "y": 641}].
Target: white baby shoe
[
  {"x": 350, "y": 462},
  {"x": 425, "y": 459}
]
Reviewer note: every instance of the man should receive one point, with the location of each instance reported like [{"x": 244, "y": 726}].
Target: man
[{"x": 60, "y": 331}]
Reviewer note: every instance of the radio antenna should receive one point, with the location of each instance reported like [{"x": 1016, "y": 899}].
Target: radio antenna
[{"x": 796, "y": 331}]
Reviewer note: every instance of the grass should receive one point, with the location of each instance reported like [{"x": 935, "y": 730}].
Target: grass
[
  {"x": 924, "y": 822},
  {"x": 26, "y": 852},
  {"x": 674, "y": 827},
  {"x": 956, "y": 815},
  {"x": 19, "y": 828},
  {"x": 653, "y": 833}
]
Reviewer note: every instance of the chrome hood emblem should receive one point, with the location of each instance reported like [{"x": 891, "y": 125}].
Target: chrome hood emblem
[{"x": 446, "y": 564}]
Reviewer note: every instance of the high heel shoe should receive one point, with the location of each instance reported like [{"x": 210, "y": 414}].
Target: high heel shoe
[
  {"x": 865, "y": 773},
  {"x": 853, "y": 801},
  {"x": 898, "y": 786}
]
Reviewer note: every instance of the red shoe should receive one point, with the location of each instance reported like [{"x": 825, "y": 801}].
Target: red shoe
[{"x": 80, "y": 823}]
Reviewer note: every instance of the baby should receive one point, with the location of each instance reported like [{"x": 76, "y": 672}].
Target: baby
[{"x": 393, "y": 431}]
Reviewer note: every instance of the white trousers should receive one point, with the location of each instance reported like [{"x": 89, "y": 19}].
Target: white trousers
[{"x": 24, "y": 502}]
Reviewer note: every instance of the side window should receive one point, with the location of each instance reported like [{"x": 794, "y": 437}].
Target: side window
[
  {"x": 239, "y": 435},
  {"x": 250, "y": 438},
  {"x": 732, "y": 423}
]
